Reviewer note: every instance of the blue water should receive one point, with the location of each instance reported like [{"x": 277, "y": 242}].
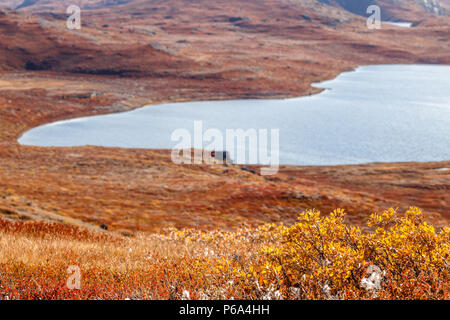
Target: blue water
[
  {"x": 399, "y": 24},
  {"x": 384, "y": 113}
]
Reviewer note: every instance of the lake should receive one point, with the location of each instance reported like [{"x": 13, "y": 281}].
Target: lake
[
  {"x": 399, "y": 24},
  {"x": 382, "y": 113}
]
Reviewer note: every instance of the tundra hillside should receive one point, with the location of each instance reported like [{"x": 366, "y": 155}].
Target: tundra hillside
[{"x": 133, "y": 53}]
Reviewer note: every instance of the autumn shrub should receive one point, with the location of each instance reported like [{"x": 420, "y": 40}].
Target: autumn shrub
[{"x": 323, "y": 258}]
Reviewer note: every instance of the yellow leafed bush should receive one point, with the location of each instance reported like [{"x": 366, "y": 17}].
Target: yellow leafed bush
[{"x": 323, "y": 258}]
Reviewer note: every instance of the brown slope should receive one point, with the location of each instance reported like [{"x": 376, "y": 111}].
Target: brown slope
[
  {"x": 242, "y": 49},
  {"x": 28, "y": 43}
]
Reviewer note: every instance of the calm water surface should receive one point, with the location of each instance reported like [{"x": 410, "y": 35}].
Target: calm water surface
[
  {"x": 399, "y": 24},
  {"x": 383, "y": 113}
]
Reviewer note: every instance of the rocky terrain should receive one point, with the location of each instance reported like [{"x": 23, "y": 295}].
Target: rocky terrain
[{"x": 131, "y": 53}]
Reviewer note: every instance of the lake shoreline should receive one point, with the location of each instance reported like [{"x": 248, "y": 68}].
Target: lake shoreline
[
  {"x": 322, "y": 86},
  {"x": 119, "y": 177}
]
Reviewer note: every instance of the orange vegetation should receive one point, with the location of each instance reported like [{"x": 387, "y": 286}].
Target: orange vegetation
[
  {"x": 53, "y": 200},
  {"x": 178, "y": 50},
  {"x": 400, "y": 257}
]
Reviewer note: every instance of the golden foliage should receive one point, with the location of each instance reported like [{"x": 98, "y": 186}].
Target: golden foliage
[{"x": 322, "y": 257}]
